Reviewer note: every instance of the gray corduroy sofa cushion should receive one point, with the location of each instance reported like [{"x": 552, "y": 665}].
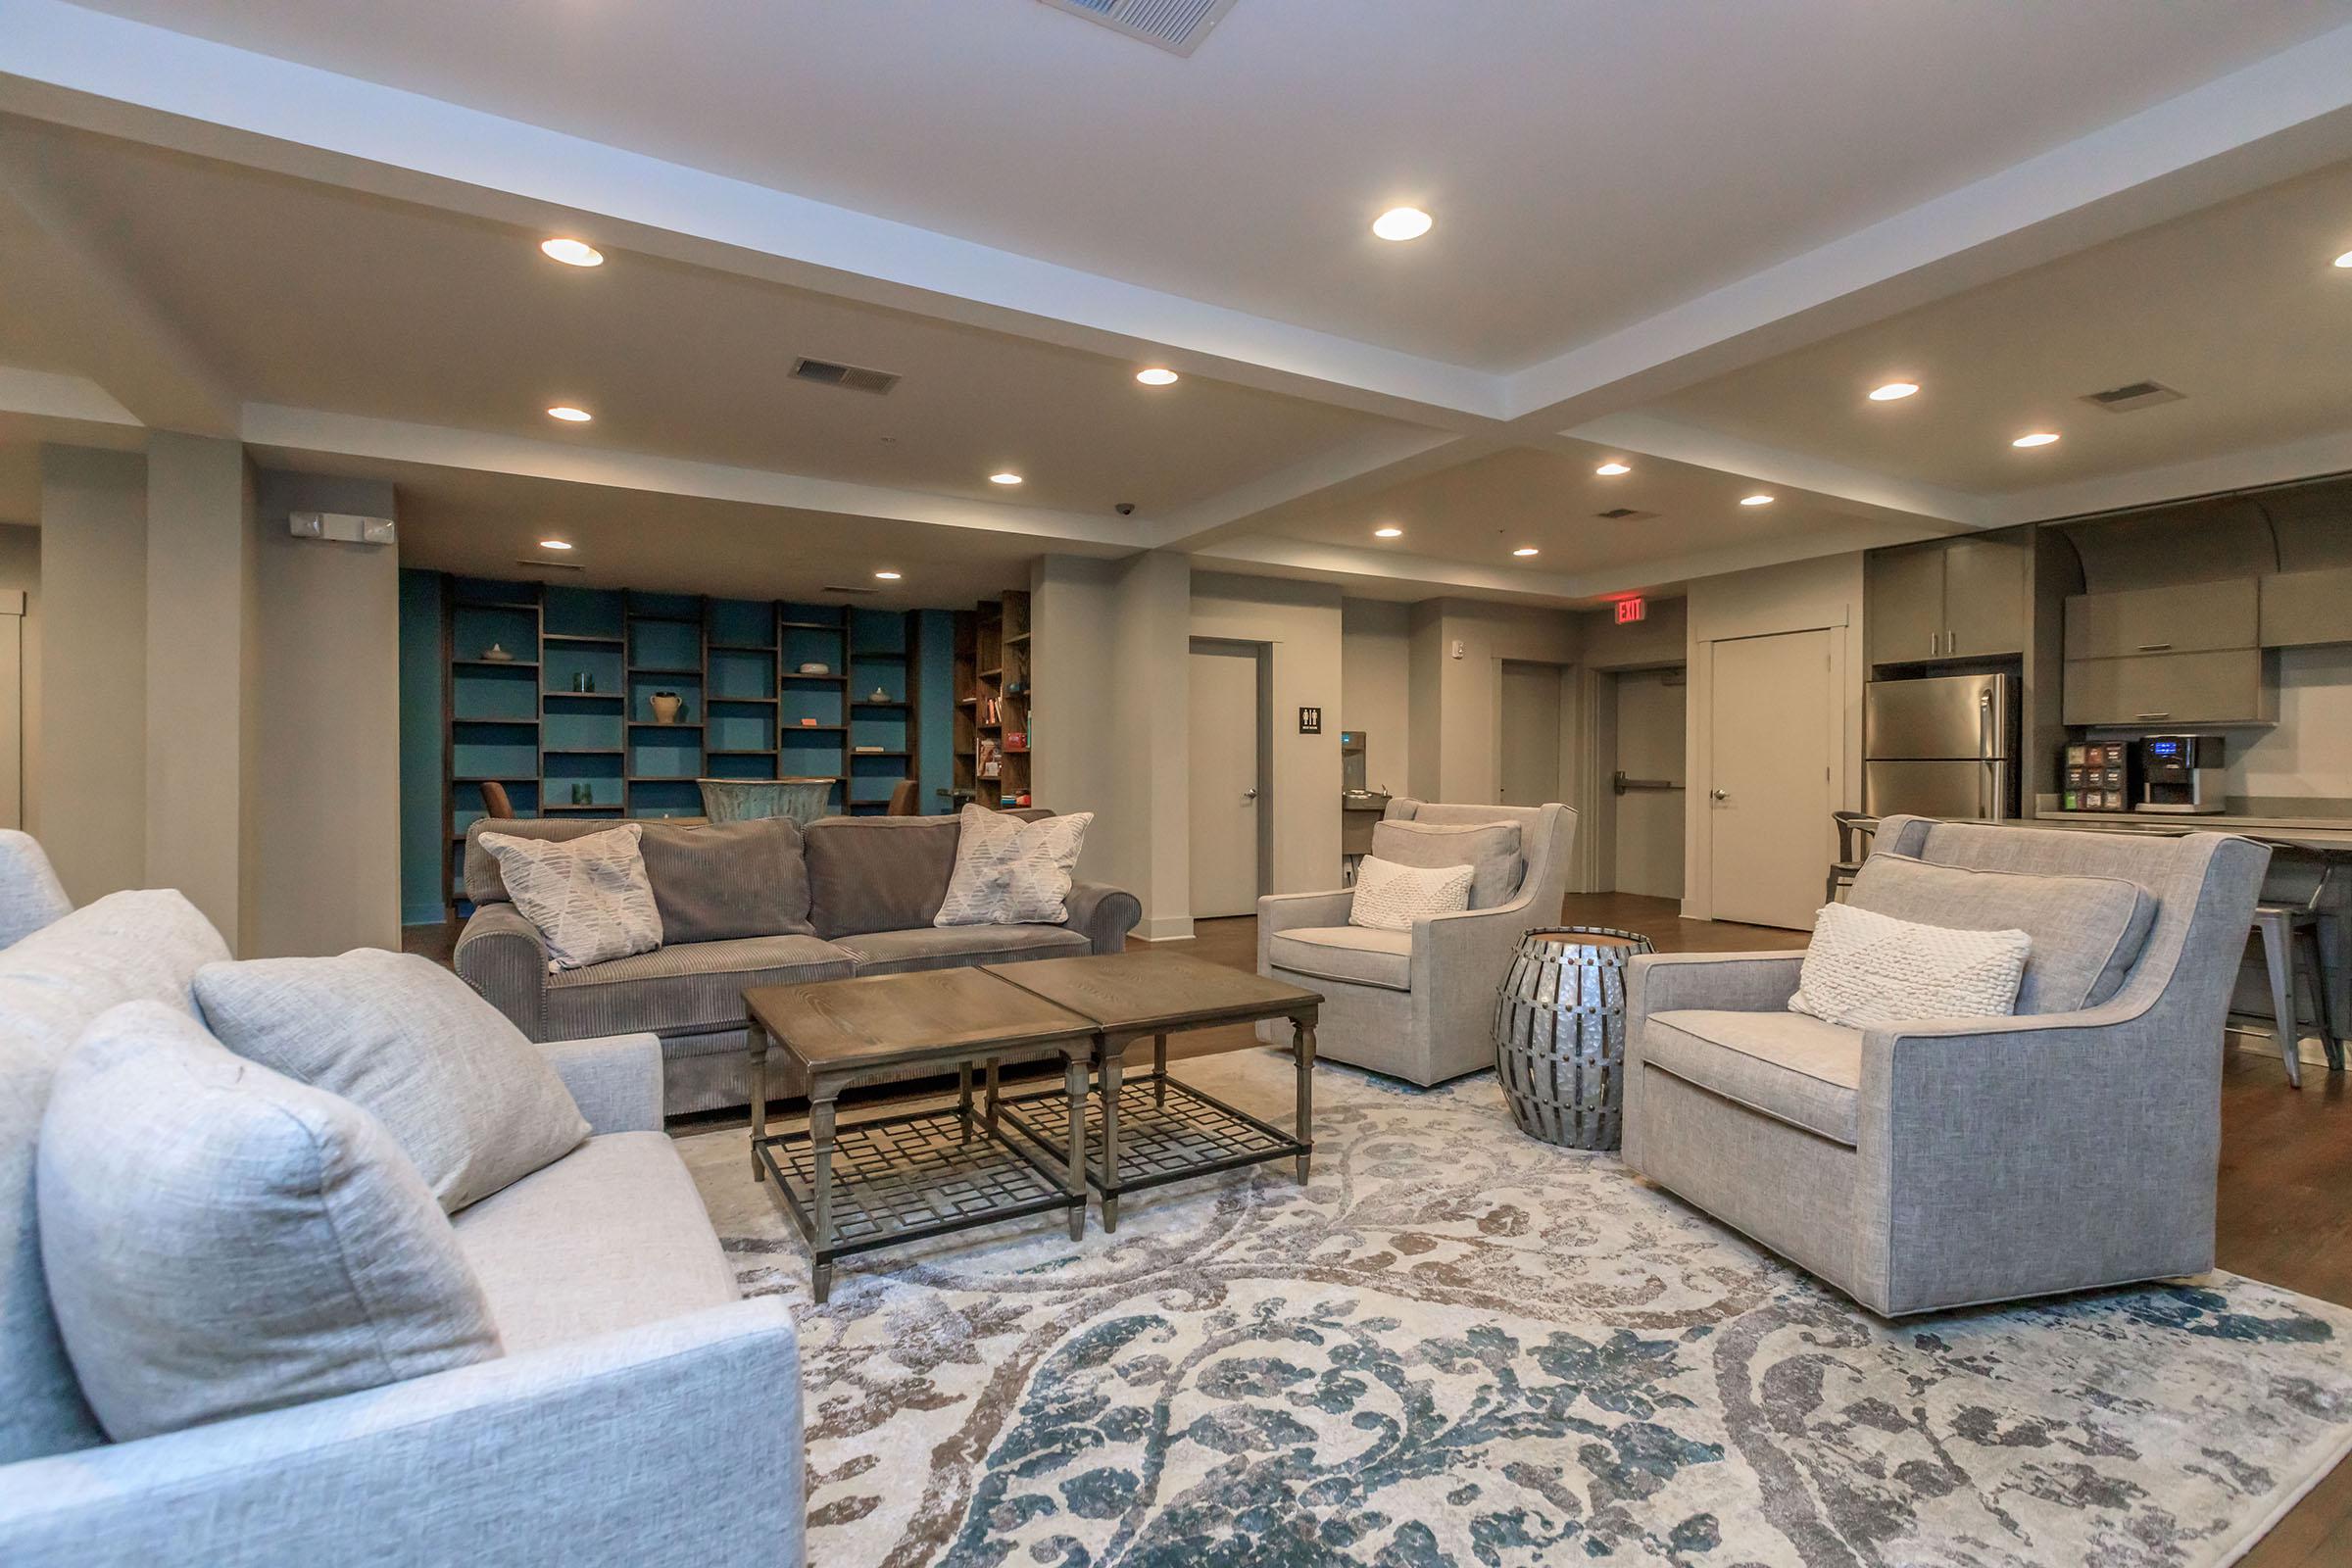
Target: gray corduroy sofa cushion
[
  {"x": 2088, "y": 931},
  {"x": 1790, "y": 1067},
  {"x": 723, "y": 880},
  {"x": 878, "y": 873},
  {"x": 950, "y": 947},
  {"x": 698, "y": 985}
]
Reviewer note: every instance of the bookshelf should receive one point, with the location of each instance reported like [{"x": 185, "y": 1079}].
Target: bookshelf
[{"x": 992, "y": 671}]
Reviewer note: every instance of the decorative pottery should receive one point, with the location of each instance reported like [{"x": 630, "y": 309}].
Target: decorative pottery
[
  {"x": 666, "y": 706},
  {"x": 816, "y": 668},
  {"x": 495, "y": 654},
  {"x": 879, "y": 695},
  {"x": 1559, "y": 1033}
]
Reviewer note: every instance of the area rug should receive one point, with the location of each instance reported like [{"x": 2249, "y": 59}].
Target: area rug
[{"x": 1461, "y": 1346}]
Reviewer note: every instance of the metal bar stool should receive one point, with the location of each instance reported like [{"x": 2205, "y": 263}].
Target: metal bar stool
[
  {"x": 2290, "y": 939},
  {"x": 1855, "y": 830}
]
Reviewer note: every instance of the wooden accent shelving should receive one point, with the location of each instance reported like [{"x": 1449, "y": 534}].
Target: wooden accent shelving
[{"x": 992, "y": 674}]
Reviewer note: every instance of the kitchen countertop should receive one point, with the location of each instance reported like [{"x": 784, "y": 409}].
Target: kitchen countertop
[{"x": 2310, "y": 832}]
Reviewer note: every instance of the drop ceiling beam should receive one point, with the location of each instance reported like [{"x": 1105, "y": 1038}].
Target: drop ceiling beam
[
  {"x": 1873, "y": 494},
  {"x": 2200, "y": 476}
]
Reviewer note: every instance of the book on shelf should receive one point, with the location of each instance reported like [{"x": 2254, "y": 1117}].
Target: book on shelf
[{"x": 987, "y": 761}]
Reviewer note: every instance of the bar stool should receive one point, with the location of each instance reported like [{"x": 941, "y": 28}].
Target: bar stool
[
  {"x": 1855, "y": 830},
  {"x": 2290, "y": 938}
]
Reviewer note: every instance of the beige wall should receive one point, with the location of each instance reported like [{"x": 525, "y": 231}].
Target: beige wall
[
  {"x": 1300, "y": 623},
  {"x": 21, "y": 572},
  {"x": 92, "y": 782},
  {"x": 1376, "y": 640},
  {"x": 1662, "y": 638},
  {"x": 1469, "y": 735},
  {"x": 2308, "y": 753},
  {"x": 1427, "y": 652}
]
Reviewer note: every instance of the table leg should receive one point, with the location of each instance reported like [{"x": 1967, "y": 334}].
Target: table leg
[
  {"x": 1159, "y": 1069},
  {"x": 991, "y": 1095},
  {"x": 821, "y": 1149},
  {"x": 963, "y": 1098},
  {"x": 1112, "y": 1069},
  {"x": 1073, "y": 1083},
  {"x": 756, "y": 1035},
  {"x": 1302, "y": 1051}
]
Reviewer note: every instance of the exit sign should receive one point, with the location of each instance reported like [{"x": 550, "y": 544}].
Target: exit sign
[{"x": 1632, "y": 609}]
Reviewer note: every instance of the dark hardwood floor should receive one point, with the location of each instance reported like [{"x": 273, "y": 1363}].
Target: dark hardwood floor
[{"x": 2285, "y": 1198}]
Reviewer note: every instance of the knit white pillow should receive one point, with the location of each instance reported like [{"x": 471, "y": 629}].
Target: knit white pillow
[
  {"x": 1865, "y": 968},
  {"x": 1389, "y": 897},
  {"x": 588, "y": 896}
]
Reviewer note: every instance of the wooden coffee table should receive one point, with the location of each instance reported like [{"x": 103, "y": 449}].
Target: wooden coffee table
[
  {"x": 1159, "y": 1129},
  {"x": 906, "y": 1176}
]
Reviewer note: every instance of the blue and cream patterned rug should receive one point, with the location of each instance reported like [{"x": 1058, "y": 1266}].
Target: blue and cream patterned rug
[{"x": 1461, "y": 1346}]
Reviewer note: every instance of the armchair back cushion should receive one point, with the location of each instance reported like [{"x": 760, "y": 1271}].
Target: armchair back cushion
[
  {"x": 2087, "y": 931},
  {"x": 1490, "y": 848},
  {"x": 30, "y": 895}
]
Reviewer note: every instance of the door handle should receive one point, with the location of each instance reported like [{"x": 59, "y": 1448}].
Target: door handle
[
  {"x": 1250, "y": 794},
  {"x": 1718, "y": 794}
]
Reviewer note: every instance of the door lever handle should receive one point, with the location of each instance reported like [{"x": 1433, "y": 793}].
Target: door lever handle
[
  {"x": 1719, "y": 795},
  {"x": 1250, "y": 794}
]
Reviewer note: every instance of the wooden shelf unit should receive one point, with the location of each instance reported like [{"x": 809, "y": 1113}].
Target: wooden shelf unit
[{"x": 993, "y": 690}]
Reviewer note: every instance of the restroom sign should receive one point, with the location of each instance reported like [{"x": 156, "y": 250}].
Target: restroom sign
[{"x": 1311, "y": 721}]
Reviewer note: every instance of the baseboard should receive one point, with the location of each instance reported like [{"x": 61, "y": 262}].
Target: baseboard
[
  {"x": 2257, "y": 1037},
  {"x": 1168, "y": 928}
]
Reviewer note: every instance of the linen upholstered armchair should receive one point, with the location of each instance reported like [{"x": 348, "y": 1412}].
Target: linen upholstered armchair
[
  {"x": 1946, "y": 1162},
  {"x": 1420, "y": 1004}
]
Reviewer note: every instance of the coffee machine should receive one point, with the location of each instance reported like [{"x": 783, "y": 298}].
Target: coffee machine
[{"x": 2181, "y": 774}]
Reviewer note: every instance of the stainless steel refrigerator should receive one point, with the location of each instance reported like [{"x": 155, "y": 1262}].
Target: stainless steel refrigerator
[{"x": 1942, "y": 746}]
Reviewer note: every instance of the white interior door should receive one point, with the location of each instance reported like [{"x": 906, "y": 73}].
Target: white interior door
[
  {"x": 12, "y": 709},
  {"x": 1224, "y": 784},
  {"x": 1649, "y": 746},
  {"x": 1531, "y": 733},
  {"x": 1774, "y": 745}
]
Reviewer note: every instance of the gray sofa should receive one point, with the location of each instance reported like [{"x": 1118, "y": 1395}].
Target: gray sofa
[
  {"x": 641, "y": 1412},
  {"x": 845, "y": 896},
  {"x": 1942, "y": 1163},
  {"x": 1418, "y": 1005}
]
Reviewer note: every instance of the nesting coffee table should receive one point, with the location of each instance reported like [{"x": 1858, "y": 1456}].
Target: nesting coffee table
[{"x": 907, "y": 1176}]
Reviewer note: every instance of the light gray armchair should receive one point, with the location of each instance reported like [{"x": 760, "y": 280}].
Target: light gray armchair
[
  {"x": 1923, "y": 1166},
  {"x": 1418, "y": 1005}
]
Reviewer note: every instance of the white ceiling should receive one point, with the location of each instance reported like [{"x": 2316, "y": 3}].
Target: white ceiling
[{"x": 1590, "y": 163}]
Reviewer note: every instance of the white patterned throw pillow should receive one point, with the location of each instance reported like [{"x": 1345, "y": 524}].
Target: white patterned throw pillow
[
  {"x": 588, "y": 896},
  {"x": 1010, "y": 872},
  {"x": 1389, "y": 897},
  {"x": 1864, "y": 969}
]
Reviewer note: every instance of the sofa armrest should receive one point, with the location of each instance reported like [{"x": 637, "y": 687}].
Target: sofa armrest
[
  {"x": 1105, "y": 913},
  {"x": 636, "y": 1446},
  {"x": 502, "y": 955},
  {"x": 616, "y": 1080}
]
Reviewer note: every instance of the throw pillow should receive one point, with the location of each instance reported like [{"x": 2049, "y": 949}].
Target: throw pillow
[
  {"x": 1036, "y": 885},
  {"x": 221, "y": 1240},
  {"x": 986, "y": 842},
  {"x": 474, "y": 1103},
  {"x": 1389, "y": 897},
  {"x": 1490, "y": 848},
  {"x": 727, "y": 879},
  {"x": 588, "y": 896},
  {"x": 1864, "y": 969}
]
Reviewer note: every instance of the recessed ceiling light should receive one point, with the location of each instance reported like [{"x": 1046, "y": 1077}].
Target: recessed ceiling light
[
  {"x": 1524, "y": 550},
  {"x": 1006, "y": 477},
  {"x": 887, "y": 576},
  {"x": 2344, "y": 260},
  {"x": 573, "y": 252},
  {"x": 1389, "y": 532},
  {"x": 1402, "y": 223},
  {"x": 554, "y": 544},
  {"x": 1613, "y": 468},
  {"x": 1892, "y": 390},
  {"x": 569, "y": 415},
  {"x": 2039, "y": 438},
  {"x": 1156, "y": 375},
  {"x": 1758, "y": 500}
]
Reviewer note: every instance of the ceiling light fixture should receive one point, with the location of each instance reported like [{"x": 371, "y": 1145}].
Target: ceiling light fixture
[
  {"x": 569, "y": 415},
  {"x": 1613, "y": 468},
  {"x": 554, "y": 544},
  {"x": 1892, "y": 390},
  {"x": 1156, "y": 375},
  {"x": 1758, "y": 500},
  {"x": 887, "y": 576},
  {"x": 1401, "y": 224},
  {"x": 2344, "y": 260},
  {"x": 1389, "y": 532},
  {"x": 573, "y": 252},
  {"x": 1524, "y": 550},
  {"x": 2039, "y": 438},
  {"x": 1006, "y": 477}
]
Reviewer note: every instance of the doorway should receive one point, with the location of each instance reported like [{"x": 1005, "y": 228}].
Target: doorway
[
  {"x": 1530, "y": 711},
  {"x": 1645, "y": 782},
  {"x": 1776, "y": 740},
  {"x": 1228, "y": 788}
]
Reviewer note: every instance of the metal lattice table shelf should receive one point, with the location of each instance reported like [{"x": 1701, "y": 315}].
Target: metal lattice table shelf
[
  {"x": 1168, "y": 1130},
  {"x": 907, "y": 1177}
]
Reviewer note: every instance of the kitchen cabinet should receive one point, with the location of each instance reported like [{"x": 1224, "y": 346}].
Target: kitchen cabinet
[
  {"x": 2302, "y": 608},
  {"x": 2220, "y": 686},
  {"x": 2183, "y": 618},
  {"x": 1963, "y": 597}
]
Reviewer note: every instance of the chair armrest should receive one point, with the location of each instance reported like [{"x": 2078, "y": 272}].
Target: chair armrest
[
  {"x": 1719, "y": 982},
  {"x": 502, "y": 955},
  {"x": 616, "y": 1080},
  {"x": 1288, "y": 912},
  {"x": 675, "y": 1444},
  {"x": 1104, "y": 912}
]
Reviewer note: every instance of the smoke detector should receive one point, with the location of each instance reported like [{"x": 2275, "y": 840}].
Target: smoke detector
[
  {"x": 2137, "y": 395},
  {"x": 1176, "y": 26},
  {"x": 849, "y": 377}
]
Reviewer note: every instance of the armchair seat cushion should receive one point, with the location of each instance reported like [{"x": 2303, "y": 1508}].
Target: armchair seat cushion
[
  {"x": 1787, "y": 1066},
  {"x": 684, "y": 989},
  {"x": 1363, "y": 955},
  {"x": 948, "y": 946},
  {"x": 614, "y": 1236}
]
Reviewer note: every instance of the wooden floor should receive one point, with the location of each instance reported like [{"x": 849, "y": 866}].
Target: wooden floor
[{"x": 2286, "y": 1198}]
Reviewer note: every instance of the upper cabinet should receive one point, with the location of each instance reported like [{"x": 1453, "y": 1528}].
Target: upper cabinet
[
  {"x": 1963, "y": 597},
  {"x": 2185, "y": 618},
  {"x": 2301, "y": 609},
  {"x": 2185, "y": 653}
]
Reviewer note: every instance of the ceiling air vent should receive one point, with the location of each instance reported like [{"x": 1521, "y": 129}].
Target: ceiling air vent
[
  {"x": 1176, "y": 26},
  {"x": 824, "y": 373},
  {"x": 2138, "y": 395},
  {"x": 837, "y": 588},
  {"x": 1624, "y": 515},
  {"x": 551, "y": 565}
]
